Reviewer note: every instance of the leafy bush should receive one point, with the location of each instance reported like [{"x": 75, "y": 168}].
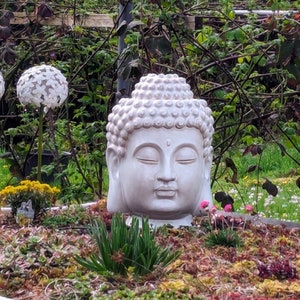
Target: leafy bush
[{"x": 126, "y": 250}]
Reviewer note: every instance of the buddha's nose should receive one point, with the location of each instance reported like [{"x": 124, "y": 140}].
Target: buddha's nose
[{"x": 166, "y": 172}]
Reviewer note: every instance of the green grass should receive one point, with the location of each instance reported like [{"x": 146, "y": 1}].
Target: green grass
[
  {"x": 280, "y": 170},
  {"x": 5, "y": 175}
]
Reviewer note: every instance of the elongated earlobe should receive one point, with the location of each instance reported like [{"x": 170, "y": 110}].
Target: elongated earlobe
[
  {"x": 207, "y": 170},
  {"x": 206, "y": 193},
  {"x": 115, "y": 199},
  {"x": 112, "y": 161}
]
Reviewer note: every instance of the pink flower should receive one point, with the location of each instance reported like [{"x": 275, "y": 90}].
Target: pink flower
[
  {"x": 204, "y": 204},
  {"x": 228, "y": 208},
  {"x": 249, "y": 208},
  {"x": 213, "y": 209}
]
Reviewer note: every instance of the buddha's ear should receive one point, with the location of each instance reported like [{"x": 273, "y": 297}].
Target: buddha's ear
[
  {"x": 112, "y": 161},
  {"x": 207, "y": 165},
  {"x": 115, "y": 199},
  {"x": 207, "y": 170}
]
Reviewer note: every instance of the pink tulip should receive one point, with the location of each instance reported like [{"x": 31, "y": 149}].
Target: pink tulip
[
  {"x": 213, "y": 209},
  {"x": 228, "y": 208},
  {"x": 249, "y": 208},
  {"x": 204, "y": 204}
]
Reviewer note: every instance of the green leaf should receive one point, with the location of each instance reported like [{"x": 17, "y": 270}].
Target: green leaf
[
  {"x": 229, "y": 108},
  {"x": 240, "y": 35},
  {"x": 231, "y": 15},
  {"x": 294, "y": 70},
  {"x": 230, "y": 35}
]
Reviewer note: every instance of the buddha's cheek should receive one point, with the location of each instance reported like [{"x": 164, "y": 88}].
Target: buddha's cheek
[{"x": 137, "y": 187}]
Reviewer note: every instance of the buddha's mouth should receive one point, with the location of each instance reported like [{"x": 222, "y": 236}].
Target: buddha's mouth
[{"x": 165, "y": 192}]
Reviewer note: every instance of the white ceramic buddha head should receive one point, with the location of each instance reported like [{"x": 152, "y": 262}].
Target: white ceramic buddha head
[{"x": 159, "y": 152}]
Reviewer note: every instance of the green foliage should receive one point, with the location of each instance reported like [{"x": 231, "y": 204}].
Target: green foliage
[
  {"x": 126, "y": 250},
  {"x": 246, "y": 67},
  {"x": 223, "y": 237},
  {"x": 5, "y": 173}
]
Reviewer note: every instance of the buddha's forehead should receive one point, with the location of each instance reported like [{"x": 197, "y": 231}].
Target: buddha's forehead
[{"x": 166, "y": 137}]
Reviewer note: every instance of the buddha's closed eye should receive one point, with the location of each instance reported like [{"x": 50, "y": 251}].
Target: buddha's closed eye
[
  {"x": 147, "y": 161},
  {"x": 186, "y": 155},
  {"x": 147, "y": 155},
  {"x": 151, "y": 156}
]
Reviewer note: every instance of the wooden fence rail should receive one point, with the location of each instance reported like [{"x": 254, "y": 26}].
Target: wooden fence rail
[
  {"x": 93, "y": 20},
  {"x": 106, "y": 21}
]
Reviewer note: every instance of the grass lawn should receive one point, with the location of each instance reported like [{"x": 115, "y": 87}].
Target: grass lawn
[{"x": 282, "y": 171}]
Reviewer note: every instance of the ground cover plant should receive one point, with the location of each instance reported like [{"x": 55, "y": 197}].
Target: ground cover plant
[{"x": 39, "y": 262}]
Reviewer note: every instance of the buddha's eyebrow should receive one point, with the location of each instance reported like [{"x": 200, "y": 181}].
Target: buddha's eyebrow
[
  {"x": 187, "y": 145},
  {"x": 145, "y": 145}
]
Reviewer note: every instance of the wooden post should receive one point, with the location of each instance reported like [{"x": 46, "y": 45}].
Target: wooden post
[{"x": 123, "y": 86}]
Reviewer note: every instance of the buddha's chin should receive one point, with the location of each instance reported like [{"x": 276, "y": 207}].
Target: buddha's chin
[{"x": 165, "y": 209}]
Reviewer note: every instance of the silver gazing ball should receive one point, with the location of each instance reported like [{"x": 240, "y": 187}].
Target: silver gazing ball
[
  {"x": 2, "y": 85},
  {"x": 44, "y": 85}
]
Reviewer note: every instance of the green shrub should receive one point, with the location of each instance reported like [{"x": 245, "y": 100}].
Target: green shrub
[{"x": 126, "y": 250}]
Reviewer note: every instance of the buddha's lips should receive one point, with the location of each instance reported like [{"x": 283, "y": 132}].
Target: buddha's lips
[{"x": 165, "y": 192}]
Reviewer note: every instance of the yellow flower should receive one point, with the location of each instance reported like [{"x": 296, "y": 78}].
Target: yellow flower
[
  {"x": 42, "y": 195},
  {"x": 55, "y": 190}
]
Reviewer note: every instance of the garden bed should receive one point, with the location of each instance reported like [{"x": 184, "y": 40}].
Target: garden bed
[{"x": 37, "y": 262}]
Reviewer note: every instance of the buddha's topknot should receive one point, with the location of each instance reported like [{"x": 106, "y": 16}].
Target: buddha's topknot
[{"x": 159, "y": 101}]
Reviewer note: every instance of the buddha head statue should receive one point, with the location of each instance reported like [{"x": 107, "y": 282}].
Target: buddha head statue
[{"x": 159, "y": 152}]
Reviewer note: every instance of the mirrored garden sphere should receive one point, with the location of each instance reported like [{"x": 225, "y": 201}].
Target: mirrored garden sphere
[
  {"x": 44, "y": 85},
  {"x": 2, "y": 85}
]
